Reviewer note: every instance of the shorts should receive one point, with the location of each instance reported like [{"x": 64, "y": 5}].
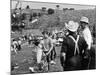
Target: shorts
[{"x": 47, "y": 56}]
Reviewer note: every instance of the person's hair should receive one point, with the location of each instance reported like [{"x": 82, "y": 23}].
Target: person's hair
[
  {"x": 13, "y": 40},
  {"x": 70, "y": 32},
  {"x": 45, "y": 32},
  {"x": 83, "y": 22}
]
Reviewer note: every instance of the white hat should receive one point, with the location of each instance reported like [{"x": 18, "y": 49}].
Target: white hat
[
  {"x": 72, "y": 26},
  {"x": 84, "y": 19}
]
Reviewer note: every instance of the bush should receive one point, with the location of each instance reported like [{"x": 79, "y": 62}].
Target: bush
[
  {"x": 50, "y": 11},
  {"x": 34, "y": 14}
]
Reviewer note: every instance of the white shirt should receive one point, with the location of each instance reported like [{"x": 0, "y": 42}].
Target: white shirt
[
  {"x": 14, "y": 42},
  {"x": 34, "y": 21},
  {"x": 87, "y": 36}
]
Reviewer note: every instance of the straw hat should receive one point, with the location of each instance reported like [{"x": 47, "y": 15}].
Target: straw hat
[
  {"x": 72, "y": 26},
  {"x": 84, "y": 19}
]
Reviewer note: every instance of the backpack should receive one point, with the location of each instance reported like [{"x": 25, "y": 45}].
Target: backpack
[{"x": 76, "y": 44}]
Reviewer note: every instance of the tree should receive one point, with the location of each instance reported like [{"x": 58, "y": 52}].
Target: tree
[
  {"x": 50, "y": 11},
  {"x": 27, "y": 7},
  {"x": 44, "y": 9},
  {"x": 34, "y": 14},
  {"x": 64, "y": 9},
  {"x": 20, "y": 8},
  {"x": 57, "y": 6},
  {"x": 71, "y": 9},
  {"x": 39, "y": 14}
]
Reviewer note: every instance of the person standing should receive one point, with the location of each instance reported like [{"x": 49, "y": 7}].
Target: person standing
[
  {"x": 53, "y": 52},
  {"x": 47, "y": 45},
  {"x": 86, "y": 34},
  {"x": 72, "y": 47}
]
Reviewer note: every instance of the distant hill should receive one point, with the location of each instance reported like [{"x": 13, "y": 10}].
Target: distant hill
[
  {"x": 27, "y": 10},
  {"x": 59, "y": 19}
]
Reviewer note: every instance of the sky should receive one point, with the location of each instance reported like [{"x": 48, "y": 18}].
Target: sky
[{"x": 38, "y": 5}]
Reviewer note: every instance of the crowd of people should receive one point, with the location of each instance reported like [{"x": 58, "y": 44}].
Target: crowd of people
[
  {"x": 75, "y": 43},
  {"x": 75, "y": 46}
]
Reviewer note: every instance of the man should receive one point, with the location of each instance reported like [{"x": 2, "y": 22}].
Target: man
[
  {"x": 53, "y": 52},
  {"x": 19, "y": 45},
  {"x": 72, "y": 47},
  {"x": 14, "y": 46},
  {"x": 86, "y": 33},
  {"x": 84, "y": 22}
]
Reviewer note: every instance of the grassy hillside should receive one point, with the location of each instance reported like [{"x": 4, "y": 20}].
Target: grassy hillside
[{"x": 63, "y": 17}]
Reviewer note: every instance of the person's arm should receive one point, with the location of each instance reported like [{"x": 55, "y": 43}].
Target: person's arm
[
  {"x": 85, "y": 48},
  {"x": 62, "y": 58},
  {"x": 88, "y": 37},
  {"x": 63, "y": 54}
]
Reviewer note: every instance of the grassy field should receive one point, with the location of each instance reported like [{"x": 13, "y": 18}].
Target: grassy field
[
  {"x": 27, "y": 58},
  {"x": 23, "y": 58},
  {"x": 59, "y": 19}
]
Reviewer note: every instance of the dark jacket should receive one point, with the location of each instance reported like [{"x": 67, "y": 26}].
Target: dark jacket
[{"x": 68, "y": 47}]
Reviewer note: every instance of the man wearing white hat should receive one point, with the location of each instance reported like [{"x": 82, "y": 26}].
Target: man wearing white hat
[
  {"x": 86, "y": 31},
  {"x": 72, "y": 47}
]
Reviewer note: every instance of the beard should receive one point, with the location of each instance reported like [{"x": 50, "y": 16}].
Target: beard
[{"x": 87, "y": 36}]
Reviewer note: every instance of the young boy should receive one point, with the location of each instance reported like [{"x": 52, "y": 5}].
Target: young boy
[{"x": 47, "y": 45}]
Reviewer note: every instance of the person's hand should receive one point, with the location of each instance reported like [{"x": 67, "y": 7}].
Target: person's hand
[
  {"x": 47, "y": 53},
  {"x": 44, "y": 54}
]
